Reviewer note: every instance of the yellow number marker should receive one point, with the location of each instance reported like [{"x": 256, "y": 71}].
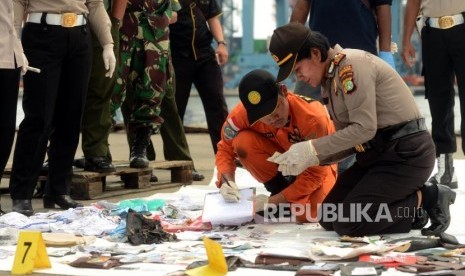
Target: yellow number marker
[
  {"x": 30, "y": 253},
  {"x": 216, "y": 262}
]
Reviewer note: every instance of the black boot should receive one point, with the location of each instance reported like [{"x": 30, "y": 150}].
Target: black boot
[
  {"x": 138, "y": 158},
  {"x": 98, "y": 164},
  {"x": 436, "y": 201},
  {"x": 23, "y": 206},
  {"x": 79, "y": 163},
  {"x": 63, "y": 201},
  {"x": 196, "y": 176},
  {"x": 446, "y": 172}
]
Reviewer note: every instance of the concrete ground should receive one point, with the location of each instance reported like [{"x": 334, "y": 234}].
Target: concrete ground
[{"x": 201, "y": 151}]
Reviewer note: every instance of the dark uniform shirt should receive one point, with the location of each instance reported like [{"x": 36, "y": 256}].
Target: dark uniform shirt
[
  {"x": 190, "y": 36},
  {"x": 364, "y": 94},
  {"x": 351, "y": 24}
]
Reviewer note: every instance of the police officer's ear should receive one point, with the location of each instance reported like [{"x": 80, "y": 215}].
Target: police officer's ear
[
  {"x": 282, "y": 89},
  {"x": 316, "y": 53}
]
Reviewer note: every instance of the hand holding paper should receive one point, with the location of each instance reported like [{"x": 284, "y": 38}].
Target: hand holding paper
[
  {"x": 299, "y": 157},
  {"x": 230, "y": 192},
  {"x": 25, "y": 64}
]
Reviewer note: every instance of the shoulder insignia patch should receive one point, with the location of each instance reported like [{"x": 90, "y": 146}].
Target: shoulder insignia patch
[
  {"x": 348, "y": 85},
  {"x": 229, "y": 132},
  {"x": 346, "y": 76},
  {"x": 345, "y": 70}
]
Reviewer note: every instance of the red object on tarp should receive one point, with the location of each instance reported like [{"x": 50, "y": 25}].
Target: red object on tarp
[
  {"x": 195, "y": 225},
  {"x": 389, "y": 261}
]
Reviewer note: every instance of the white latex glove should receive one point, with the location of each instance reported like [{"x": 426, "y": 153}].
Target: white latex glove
[
  {"x": 299, "y": 157},
  {"x": 273, "y": 157},
  {"x": 25, "y": 65},
  {"x": 394, "y": 48},
  {"x": 230, "y": 192},
  {"x": 259, "y": 202},
  {"x": 109, "y": 60}
]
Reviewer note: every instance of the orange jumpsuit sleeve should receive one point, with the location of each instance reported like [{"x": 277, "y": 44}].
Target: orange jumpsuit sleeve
[{"x": 225, "y": 155}]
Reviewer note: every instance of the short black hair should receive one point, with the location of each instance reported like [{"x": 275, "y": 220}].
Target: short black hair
[{"x": 315, "y": 40}]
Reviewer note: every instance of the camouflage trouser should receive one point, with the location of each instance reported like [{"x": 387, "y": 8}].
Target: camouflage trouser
[{"x": 145, "y": 67}]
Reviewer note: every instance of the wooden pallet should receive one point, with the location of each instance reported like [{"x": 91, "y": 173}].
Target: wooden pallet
[{"x": 93, "y": 185}]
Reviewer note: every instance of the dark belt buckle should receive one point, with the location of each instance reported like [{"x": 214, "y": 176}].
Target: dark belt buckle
[{"x": 359, "y": 148}]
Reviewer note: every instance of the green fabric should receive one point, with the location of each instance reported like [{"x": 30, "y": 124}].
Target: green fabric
[
  {"x": 144, "y": 61},
  {"x": 96, "y": 118}
]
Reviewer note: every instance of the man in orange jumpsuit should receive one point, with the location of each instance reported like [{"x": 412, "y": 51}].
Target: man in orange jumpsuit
[{"x": 268, "y": 121}]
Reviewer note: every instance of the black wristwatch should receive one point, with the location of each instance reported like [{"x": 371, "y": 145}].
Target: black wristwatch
[{"x": 222, "y": 42}]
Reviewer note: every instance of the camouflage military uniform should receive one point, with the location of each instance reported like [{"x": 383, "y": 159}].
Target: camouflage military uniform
[{"x": 144, "y": 61}]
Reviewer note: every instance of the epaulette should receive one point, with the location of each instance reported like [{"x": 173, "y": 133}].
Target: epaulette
[
  {"x": 334, "y": 63},
  {"x": 338, "y": 58}
]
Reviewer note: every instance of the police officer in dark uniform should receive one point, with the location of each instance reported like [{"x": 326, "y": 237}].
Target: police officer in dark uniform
[
  {"x": 56, "y": 39},
  {"x": 375, "y": 116},
  {"x": 443, "y": 45},
  {"x": 12, "y": 62}
]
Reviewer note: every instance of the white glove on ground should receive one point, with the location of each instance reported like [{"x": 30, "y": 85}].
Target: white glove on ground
[
  {"x": 109, "y": 60},
  {"x": 230, "y": 192},
  {"x": 299, "y": 157},
  {"x": 259, "y": 202},
  {"x": 25, "y": 65}
]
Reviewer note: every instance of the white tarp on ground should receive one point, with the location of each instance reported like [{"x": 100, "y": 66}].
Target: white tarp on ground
[{"x": 274, "y": 236}]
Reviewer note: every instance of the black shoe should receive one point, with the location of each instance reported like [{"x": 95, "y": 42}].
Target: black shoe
[
  {"x": 79, "y": 163},
  {"x": 98, "y": 164},
  {"x": 420, "y": 220},
  {"x": 63, "y": 201},
  {"x": 196, "y": 176},
  {"x": 153, "y": 177},
  {"x": 23, "y": 206},
  {"x": 438, "y": 211}
]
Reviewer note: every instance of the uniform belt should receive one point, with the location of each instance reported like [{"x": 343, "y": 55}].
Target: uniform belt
[
  {"x": 445, "y": 22},
  {"x": 66, "y": 20},
  {"x": 392, "y": 133}
]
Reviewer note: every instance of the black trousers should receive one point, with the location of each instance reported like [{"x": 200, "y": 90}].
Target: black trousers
[
  {"x": 206, "y": 75},
  {"x": 52, "y": 102},
  {"x": 383, "y": 180},
  {"x": 444, "y": 59},
  {"x": 9, "y": 78}
]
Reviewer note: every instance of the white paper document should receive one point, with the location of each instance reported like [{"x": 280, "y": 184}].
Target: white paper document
[{"x": 217, "y": 211}]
